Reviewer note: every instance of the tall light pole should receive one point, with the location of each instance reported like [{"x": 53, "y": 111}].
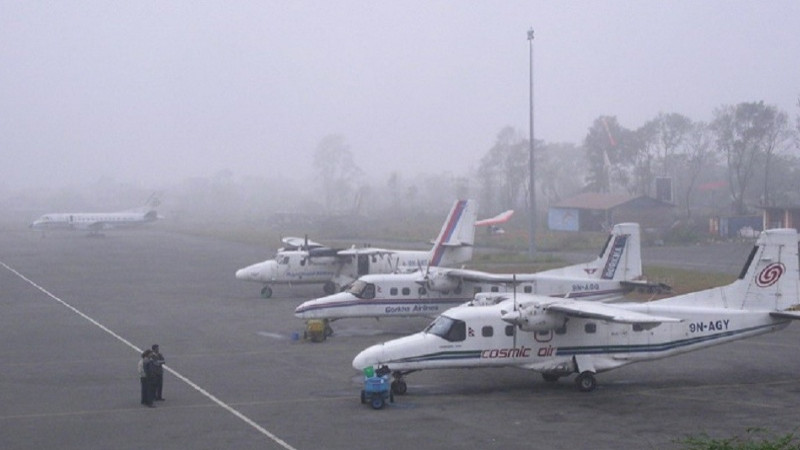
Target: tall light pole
[{"x": 531, "y": 184}]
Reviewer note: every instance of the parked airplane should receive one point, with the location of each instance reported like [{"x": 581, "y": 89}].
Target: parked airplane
[
  {"x": 428, "y": 292},
  {"x": 312, "y": 263},
  {"x": 558, "y": 337},
  {"x": 94, "y": 223}
]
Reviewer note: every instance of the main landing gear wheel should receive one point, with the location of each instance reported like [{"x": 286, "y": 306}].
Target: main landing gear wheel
[
  {"x": 399, "y": 387},
  {"x": 266, "y": 292},
  {"x": 329, "y": 288},
  {"x": 586, "y": 381}
]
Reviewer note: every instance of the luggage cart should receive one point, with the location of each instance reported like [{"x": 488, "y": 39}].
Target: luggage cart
[{"x": 377, "y": 388}]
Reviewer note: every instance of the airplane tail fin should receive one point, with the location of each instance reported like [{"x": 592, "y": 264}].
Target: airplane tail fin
[
  {"x": 153, "y": 201},
  {"x": 454, "y": 244},
  {"x": 769, "y": 279},
  {"x": 620, "y": 259}
]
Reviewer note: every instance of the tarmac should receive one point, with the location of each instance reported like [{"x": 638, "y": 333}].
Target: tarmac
[{"x": 75, "y": 313}]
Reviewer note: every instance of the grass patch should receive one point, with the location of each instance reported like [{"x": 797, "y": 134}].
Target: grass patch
[{"x": 754, "y": 439}]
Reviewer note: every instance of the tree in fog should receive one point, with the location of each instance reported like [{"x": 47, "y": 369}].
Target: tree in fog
[
  {"x": 503, "y": 171},
  {"x": 611, "y": 153},
  {"x": 336, "y": 172},
  {"x": 660, "y": 140},
  {"x": 696, "y": 158},
  {"x": 748, "y": 135},
  {"x": 560, "y": 170}
]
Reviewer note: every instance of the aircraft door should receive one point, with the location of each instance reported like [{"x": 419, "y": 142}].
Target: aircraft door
[{"x": 363, "y": 265}]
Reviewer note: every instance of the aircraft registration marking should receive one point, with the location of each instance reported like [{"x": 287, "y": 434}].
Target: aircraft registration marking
[
  {"x": 711, "y": 325},
  {"x": 579, "y": 287}
]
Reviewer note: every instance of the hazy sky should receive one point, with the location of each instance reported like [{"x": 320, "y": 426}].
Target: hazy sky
[{"x": 148, "y": 92}]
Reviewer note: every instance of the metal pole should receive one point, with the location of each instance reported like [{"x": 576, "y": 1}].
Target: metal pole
[{"x": 531, "y": 184}]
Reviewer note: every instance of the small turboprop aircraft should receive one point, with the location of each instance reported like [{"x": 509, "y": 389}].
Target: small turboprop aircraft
[
  {"x": 307, "y": 262},
  {"x": 429, "y": 292},
  {"x": 95, "y": 223},
  {"x": 561, "y": 336}
]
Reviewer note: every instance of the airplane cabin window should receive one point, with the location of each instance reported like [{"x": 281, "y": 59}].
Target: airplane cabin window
[
  {"x": 487, "y": 331},
  {"x": 393, "y": 291},
  {"x": 638, "y": 327},
  {"x": 590, "y": 327},
  {"x": 406, "y": 291},
  {"x": 562, "y": 329},
  {"x": 528, "y": 289},
  {"x": 495, "y": 289},
  {"x": 509, "y": 330}
]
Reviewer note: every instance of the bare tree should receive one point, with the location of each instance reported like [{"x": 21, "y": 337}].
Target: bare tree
[
  {"x": 746, "y": 135},
  {"x": 504, "y": 170},
  {"x": 336, "y": 172},
  {"x": 611, "y": 153},
  {"x": 696, "y": 159}
]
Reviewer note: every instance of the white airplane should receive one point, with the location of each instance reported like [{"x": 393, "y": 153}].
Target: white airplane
[
  {"x": 94, "y": 223},
  {"x": 312, "y": 263},
  {"x": 561, "y": 336},
  {"x": 615, "y": 272}
]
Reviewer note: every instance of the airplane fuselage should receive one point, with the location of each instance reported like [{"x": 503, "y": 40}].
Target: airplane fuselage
[
  {"x": 92, "y": 221},
  {"x": 407, "y": 295},
  {"x": 297, "y": 267},
  {"x": 476, "y": 339}
]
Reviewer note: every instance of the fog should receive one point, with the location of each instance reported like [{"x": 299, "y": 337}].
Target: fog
[{"x": 153, "y": 95}]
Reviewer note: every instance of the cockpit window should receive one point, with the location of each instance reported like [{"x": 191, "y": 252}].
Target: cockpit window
[
  {"x": 362, "y": 289},
  {"x": 446, "y": 328},
  {"x": 284, "y": 260}
]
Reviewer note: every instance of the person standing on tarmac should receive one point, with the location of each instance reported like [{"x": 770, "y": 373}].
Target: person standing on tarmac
[
  {"x": 145, "y": 368},
  {"x": 158, "y": 371}
]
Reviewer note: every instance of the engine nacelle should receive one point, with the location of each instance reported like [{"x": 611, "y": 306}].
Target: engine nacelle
[
  {"x": 534, "y": 318},
  {"x": 440, "y": 282}
]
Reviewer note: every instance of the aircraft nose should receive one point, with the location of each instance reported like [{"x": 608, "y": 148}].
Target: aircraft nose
[
  {"x": 242, "y": 274},
  {"x": 369, "y": 357},
  {"x": 255, "y": 272}
]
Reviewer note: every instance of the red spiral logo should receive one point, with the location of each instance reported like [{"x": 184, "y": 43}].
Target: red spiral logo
[{"x": 770, "y": 275}]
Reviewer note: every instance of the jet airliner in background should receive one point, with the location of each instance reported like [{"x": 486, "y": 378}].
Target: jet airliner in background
[{"x": 94, "y": 223}]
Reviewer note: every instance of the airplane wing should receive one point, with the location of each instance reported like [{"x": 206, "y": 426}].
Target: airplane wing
[
  {"x": 478, "y": 276},
  {"x": 500, "y": 218},
  {"x": 602, "y": 311},
  {"x": 300, "y": 242},
  {"x": 365, "y": 251},
  {"x": 646, "y": 286},
  {"x": 794, "y": 315}
]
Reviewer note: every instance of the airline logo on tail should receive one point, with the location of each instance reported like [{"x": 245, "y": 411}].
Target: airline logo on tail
[
  {"x": 770, "y": 275},
  {"x": 615, "y": 255}
]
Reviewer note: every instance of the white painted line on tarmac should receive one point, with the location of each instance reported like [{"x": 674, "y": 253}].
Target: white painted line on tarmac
[{"x": 210, "y": 396}]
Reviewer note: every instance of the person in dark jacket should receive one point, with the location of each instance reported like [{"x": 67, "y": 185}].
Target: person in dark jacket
[
  {"x": 158, "y": 361},
  {"x": 145, "y": 368}
]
